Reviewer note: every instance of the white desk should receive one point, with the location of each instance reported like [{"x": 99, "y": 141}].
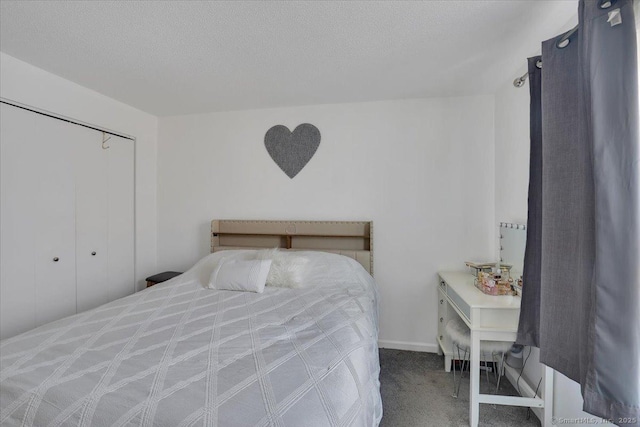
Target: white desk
[{"x": 490, "y": 318}]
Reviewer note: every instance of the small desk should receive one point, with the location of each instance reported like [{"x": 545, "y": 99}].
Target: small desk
[{"x": 490, "y": 318}]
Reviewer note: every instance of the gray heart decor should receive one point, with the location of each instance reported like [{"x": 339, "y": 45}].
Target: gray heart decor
[{"x": 292, "y": 150}]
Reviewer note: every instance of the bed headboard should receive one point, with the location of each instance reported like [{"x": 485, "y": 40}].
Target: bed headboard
[{"x": 350, "y": 238}]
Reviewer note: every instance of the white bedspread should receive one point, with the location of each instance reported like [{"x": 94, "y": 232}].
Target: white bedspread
[{"x": 178, "y": 354}]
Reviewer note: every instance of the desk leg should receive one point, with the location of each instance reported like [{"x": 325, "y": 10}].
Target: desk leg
[
  {"x": 474, "y": 373},
  {"x": 548, "y": 396}
]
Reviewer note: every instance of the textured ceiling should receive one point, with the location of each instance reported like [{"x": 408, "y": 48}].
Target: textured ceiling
[{"x": 171, "y": 57}]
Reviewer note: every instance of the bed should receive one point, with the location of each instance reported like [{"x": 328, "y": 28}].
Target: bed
[{"x": 180, "y": 354}]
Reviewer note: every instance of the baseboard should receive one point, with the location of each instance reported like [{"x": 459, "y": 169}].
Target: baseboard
[{"x": 410, "y": 346}]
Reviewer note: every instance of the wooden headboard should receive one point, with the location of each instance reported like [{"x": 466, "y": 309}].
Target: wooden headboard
[{"x": 350, "y": 238}]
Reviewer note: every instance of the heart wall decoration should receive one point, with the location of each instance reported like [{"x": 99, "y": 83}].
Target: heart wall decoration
[{"x": 292, "y": 150}]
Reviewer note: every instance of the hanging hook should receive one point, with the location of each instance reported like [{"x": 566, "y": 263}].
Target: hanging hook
[{"x": 104, "y": 140}]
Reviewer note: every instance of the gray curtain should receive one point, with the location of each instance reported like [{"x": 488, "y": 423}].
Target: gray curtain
[
  {"x": 581, "y": 300},
  {"x": 529, "y": 327}
]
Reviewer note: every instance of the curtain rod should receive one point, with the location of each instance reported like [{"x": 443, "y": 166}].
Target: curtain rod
[
  {"x": 519, "y": 81},
  {"x": 65, "y": 119},
  {"x": 560, "y": 44}
]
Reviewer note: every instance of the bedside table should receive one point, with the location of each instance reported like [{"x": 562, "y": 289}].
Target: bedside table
[{"x": 161, "y": 277}]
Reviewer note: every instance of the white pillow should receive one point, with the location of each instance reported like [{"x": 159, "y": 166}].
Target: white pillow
[
  {"x": 287, "y": 269},
  {"x": 240, "y": 275},
  {"x": 201, "y": 271}
]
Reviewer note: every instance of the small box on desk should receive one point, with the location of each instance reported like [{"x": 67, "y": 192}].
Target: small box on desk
[
  {"x": 491, "y": 284},
  {"x": 488, "y": 267}
]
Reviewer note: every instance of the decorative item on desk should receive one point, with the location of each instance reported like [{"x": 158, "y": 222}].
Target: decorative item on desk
[
  {"x": 488, "y": 267},
  {"x": 494, "y": 284},
  {"x": 518, "y": 286},
  {"x": 480, "y": 267},
  {"x": 505, "y": 271}
]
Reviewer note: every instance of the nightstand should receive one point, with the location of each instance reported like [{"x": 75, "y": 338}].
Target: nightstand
[{"x": 161, "y": 277}]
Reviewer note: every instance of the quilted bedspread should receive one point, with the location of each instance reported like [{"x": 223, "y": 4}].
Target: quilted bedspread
[{"x": 179, "y": 354}]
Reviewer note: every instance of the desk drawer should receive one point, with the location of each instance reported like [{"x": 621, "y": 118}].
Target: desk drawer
[{"x": 460, "y": 303}]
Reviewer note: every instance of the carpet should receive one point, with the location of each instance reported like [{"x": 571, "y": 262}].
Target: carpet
[{"x": 416, "y": 391}]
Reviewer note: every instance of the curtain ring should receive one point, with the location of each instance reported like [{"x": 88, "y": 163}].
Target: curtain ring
[{"x": 566, "y": 38}]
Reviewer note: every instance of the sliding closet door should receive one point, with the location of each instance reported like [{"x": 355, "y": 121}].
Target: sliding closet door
[
  {"x": 92, "y": 209},
  {"x": 66, "y": 217},
  {"x": 55, "y": 260},
  {"x": 18, "y": 211},
  {"x": 120, "y": 177}
]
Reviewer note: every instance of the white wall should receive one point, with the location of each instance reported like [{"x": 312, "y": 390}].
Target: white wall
[
  {"x": 511, "y": 189},
  {"x": 33, "y": 86},
  {"x": 422, "y": 170},
  {"x": 512, "y": 153}
]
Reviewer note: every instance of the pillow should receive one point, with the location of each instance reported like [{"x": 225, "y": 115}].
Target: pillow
[
  {"x": 240, "y": 275},
  {"x": 201, "y": 271},
  {"x": 287, "y": 269}
]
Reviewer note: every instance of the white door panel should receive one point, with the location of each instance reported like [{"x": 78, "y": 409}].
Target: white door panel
[
  {"x": 55, "y": 225},
  {"x": 91, "y": 220},
  {"x": 121, "y": 218},
  {"x": 18, "y": 210}
]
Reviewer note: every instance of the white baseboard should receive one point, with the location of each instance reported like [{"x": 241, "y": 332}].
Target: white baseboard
[{"x": 410, "y": 346}]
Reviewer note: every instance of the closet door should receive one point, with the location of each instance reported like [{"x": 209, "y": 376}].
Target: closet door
[
  {"x": 120, "y": 176},
  {"x": 55, "y": 260},
  {"x": 66, "y": 219},
  {"x": 91, "y": 179},
  {"x": 18, "y": 211}
]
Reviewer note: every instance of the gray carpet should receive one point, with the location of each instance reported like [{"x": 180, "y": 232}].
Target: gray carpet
[{"x": 416, "y": 391}]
